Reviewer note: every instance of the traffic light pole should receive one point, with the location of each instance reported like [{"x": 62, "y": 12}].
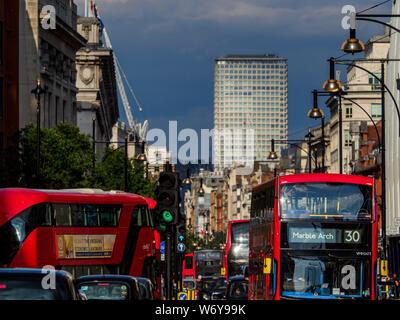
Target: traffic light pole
[{"x": 168, "y": 251}]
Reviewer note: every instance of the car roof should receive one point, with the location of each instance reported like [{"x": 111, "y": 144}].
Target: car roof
[
  {"x": 143, "y": 279},
  {"x": 102, "y": 277},
  {"x": 33, "y": 272},
  {"x": 236, "y": 278},
  {"x": 212, "y": 277}
]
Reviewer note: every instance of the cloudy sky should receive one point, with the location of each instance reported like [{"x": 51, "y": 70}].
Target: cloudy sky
[{"x": 167, "y": 49}]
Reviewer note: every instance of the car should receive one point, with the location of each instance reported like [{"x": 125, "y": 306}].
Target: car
[
  {"x": 146, "y": 288},
  {"x": 211, "y": 287},
  {"x": 109, "y": 287},
  {"x": 189, "y": 284},
  {"x": 237, "y": 288},
  {"x": 37, "y": 284}
]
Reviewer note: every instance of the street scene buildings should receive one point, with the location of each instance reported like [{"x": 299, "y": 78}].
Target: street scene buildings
[{"x": 57, "y": 66}]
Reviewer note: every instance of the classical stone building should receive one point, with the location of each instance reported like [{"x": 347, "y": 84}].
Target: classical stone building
[
  {"x": 48, "y": 52},
  {"x": 97, "y": 101},
  {"x": 9, "y": 64}
]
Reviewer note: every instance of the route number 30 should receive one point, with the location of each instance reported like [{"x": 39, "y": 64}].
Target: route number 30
[{"x": 352, "y": 236}]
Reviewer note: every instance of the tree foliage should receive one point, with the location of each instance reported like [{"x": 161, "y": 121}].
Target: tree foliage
[
  {"x": 109, "y": 174},
  {"x": 66, "y": 158},
  {"x": 194, "y": 241}
]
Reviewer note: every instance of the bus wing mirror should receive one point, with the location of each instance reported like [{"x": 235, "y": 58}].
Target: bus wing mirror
[{"x": 267, "y": 265}]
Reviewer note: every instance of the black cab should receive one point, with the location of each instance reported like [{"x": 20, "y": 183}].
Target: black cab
[
  {"x": 146, "y": 288},
  {"x": 237, "y": 289},
  {"x": 211, "y": 287},
  {"x": 109, "y": 287},
  {"x": 37, "y": 284}
]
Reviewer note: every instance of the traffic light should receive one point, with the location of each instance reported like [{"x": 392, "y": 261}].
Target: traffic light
[
  {"x": 181, "y": 233},
  {"x": 168, "y": 198}
]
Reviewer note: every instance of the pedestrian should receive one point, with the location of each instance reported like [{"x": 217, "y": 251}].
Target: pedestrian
[
  {"x": 396, "y": 286},
  {"x": 390, "y": 287},
  {"x": 379, "y": 287}
]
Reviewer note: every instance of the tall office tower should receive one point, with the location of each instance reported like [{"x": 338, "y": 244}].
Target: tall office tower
[{"x": 250, "y": 108}]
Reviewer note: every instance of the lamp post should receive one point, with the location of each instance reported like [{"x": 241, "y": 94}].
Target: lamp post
[
  {"x": 187, "y": 181},
  {"x": 335, "y": 88},
  {"x": 94, "y": 141},
  {"x": 316, "y": 113},
  {"x": 309, "y": 136},
  {"x": 126, "y": 164},
  {"x": 37, "y": 92},
  {"x": 201, "y": 190},
  {"x": 142, "y": 155}
]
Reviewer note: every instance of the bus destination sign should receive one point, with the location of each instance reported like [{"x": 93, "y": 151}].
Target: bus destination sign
[{"x": 323, "y": 235}]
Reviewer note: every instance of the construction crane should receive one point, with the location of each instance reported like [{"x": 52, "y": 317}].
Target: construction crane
[{"x": 137, "y": 129}]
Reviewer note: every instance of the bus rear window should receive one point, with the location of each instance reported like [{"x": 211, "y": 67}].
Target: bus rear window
[
  {"x": 326, "y": 200},
  {"x": 189, "y": 262},
  {"x": 208, "y": 256},
  {"x": 240, "y": 232}
]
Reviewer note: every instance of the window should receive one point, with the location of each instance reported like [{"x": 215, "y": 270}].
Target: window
[
  {"x": 62, "y": 215},
  {"x": 87, "y": 215},
  {"x": 376, "y": 110},
  {"x": 348, "y": 111},
  {"x": 375, "y": 84},
  {"x": 347, "y": 138}
]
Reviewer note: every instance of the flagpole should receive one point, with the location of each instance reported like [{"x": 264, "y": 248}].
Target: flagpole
[{"x": 86, "y": 6}]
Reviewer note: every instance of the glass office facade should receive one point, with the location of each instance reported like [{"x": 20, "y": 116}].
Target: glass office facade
[{"x": 250, "y": 95}]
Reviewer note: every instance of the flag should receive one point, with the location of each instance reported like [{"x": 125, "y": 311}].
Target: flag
[{"x": 97, "y": 15}]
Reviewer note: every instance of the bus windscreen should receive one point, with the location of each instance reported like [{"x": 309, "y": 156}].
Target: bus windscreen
[{"x": 326, "y": 200}]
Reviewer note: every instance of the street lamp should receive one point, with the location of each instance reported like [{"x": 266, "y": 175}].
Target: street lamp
[
  {"x": 187, "y": 181},
  {"x": 201, "y": 190},
  {"x": 352, "y": 45},
  {"x": 272, "y": 154},
  {"x": 142, "y": 155},
  {"x": 37, "y": 92},
  {"x": 332, "y": 85}
]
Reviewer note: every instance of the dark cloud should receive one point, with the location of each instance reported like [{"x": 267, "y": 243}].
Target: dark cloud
[{"x": 168, "y": 47}]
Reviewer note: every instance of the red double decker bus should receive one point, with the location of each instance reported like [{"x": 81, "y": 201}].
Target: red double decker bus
[
  {"x": 82, "y": 231},
  {"x": 207, "y": 262},
  {"x": 313, "y": 236},
  {"x": 188, "y": 267},
  {"x": 236, "y": 256}
]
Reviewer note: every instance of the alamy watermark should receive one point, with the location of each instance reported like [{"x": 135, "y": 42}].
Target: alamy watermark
[
  {"x": 49, "y": 280},
  {"x": 348, "y": 21},
  {"x": 225, "y": 146},
  {"x": 48, "y": 17}
]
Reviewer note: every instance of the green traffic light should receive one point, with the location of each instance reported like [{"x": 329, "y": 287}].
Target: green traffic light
[{"x": 167, "y": 216}]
